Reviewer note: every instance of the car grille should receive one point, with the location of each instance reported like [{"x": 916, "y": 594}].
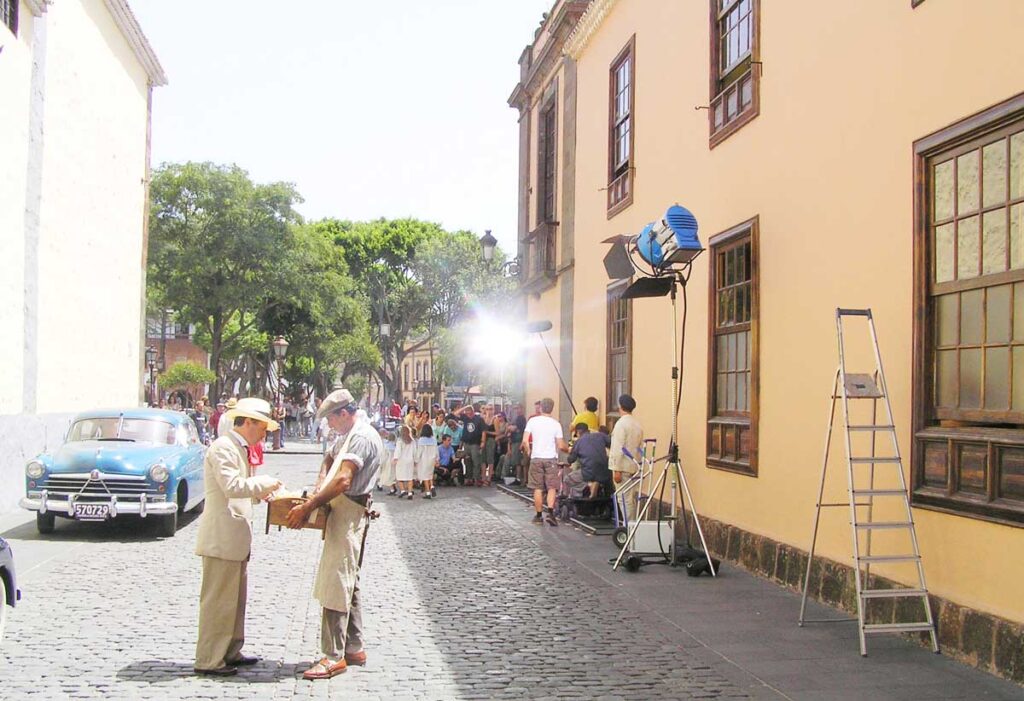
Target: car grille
[{"x": 60, "y": 487}]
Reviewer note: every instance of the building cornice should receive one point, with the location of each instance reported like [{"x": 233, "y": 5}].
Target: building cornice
[
  {"x": 125, "y": 20},
  {"x": 559, "y": 26},
  {"x": 37, "y": 7},
  {"x": 587, "y": 26}
]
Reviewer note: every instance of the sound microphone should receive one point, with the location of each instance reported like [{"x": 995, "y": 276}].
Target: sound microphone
[{"x": 537, "y": 326}]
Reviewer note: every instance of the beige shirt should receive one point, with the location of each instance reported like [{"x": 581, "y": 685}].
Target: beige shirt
[{"x": 629, "y": 434}]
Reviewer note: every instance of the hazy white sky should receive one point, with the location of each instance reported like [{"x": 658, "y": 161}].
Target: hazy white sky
[{"x": 373, "y": 108}]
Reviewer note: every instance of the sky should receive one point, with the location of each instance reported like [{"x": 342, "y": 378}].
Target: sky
[{"x": 373, "y": 109}]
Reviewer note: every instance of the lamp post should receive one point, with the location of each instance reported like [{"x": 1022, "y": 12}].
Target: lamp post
[
  {"x": 280, "y": 346},
  {"x": 151, "y": 362},
  {"x": 488, "y": 244}
]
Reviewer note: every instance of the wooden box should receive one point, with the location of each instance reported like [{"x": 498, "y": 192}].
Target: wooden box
[{"x": 278, "y": 508}]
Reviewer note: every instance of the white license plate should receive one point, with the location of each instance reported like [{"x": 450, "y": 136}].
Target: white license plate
[{"x": 92, "y": 512}]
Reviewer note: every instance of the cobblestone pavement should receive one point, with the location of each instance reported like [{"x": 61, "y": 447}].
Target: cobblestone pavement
[{"x": 461, "y": 602}]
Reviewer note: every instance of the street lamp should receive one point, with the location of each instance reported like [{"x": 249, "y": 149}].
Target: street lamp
[
  {"x": 280, "y": 346},
  {"x": 488, "y": 243},
  {"x": 151, "y": 362}
]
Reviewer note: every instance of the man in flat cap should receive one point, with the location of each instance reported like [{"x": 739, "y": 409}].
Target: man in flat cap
[
  {"x": 225, "y": 537},
  {"x": 347, "y": 475}
]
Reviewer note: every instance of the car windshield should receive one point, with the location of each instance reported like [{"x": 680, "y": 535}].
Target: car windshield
[{"x": 113, "y": 428}]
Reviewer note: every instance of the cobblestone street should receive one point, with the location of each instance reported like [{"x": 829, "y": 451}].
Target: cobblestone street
[{"x": 464, "y": 599}]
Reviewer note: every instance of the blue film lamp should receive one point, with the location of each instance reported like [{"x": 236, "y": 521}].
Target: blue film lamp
[{"x": 672, "y": 240}]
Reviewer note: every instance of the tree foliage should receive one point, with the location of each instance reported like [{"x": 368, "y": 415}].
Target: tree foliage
[{"x": 185, "y": 375}]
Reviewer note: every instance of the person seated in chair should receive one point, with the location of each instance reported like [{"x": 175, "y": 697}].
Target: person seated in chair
[
  {"x": 444, "y": 470},
  {"x": 591, "y": 450}
]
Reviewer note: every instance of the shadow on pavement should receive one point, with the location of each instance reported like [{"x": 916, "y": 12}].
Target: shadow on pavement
[
  {"x": 123, "y": 529},
  {"x": 158, "y": 671}
]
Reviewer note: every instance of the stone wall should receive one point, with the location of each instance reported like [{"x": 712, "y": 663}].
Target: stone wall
[
  {"x": 22, "y": 437},
  {"x": 973, "y": 637}
]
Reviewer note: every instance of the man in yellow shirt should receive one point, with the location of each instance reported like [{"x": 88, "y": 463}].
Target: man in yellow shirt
[{"x": 589, "y": 415}]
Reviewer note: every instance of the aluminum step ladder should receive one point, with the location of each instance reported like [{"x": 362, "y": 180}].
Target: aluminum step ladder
[{"x": 863, "y": 491}]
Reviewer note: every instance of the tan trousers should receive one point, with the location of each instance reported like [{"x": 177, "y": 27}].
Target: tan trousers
[
  {"x": 341, "y": 632},
  {"x": 221, "y": 612}
]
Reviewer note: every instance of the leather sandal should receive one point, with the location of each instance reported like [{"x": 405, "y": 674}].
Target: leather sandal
[
  {"x": 325, "y": 669},
  {"x": 356, "y": 658}
]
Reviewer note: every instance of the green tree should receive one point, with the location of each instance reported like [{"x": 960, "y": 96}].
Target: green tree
[
  {"x": 217, "y": 242},
  {"x": 186, "y": 375}
]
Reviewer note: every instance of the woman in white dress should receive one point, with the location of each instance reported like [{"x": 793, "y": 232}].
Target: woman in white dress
[
  {"x": 387, "y": 470},
  {"x": 426, "y": 459},
  {"x": 404, "y": 459}
]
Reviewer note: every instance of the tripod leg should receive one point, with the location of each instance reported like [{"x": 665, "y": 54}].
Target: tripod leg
[{"x": 696, "y": 520}]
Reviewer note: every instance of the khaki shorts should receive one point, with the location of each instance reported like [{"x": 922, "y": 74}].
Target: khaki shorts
[{"x": 543, "y": 475}]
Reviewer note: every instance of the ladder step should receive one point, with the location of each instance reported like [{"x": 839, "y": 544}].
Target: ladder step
[
  {"x": 880, "y": 492},
  {"x": 874, "y": 460},
  {"x": 892, "y": 593},
  {"x": 889, "y": 558},
  {"x": 853, "y": 312},
  {"x": 869, "y": 427},
  {"x": 897, "y": 627},
  {"x": 884, "y": 525}
]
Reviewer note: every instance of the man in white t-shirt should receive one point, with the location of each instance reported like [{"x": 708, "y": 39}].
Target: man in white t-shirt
[{"x": 542, "y": 439}]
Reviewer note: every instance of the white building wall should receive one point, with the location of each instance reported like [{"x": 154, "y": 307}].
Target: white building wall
[
  {"x": 72, "y": 207},
  {"x": 90, "y": 257},
  {"x": 15, "y": 81}
]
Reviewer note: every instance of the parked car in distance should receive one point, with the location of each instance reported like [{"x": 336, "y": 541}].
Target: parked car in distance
[
  {"x": 139, "y": 462},
  {"x": 9, "y": 592}
]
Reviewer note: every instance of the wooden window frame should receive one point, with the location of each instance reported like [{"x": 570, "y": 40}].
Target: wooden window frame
[
  {"x": 719, "y": 91},
  {"x": 11, "y": 21},
  {"x": 620, "y": 179},
  {"x": 734, "y": 236},
  {"x": 614, "y": 292},
  {"x": 548, "y": 107},
  {"x": 938, "y": 450}
]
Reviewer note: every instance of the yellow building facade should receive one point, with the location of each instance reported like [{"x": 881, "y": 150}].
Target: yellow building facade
[{"x": 864, "y": 155}]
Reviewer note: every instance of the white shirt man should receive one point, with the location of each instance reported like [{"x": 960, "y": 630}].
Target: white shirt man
[{"x": 543, "y": 438}]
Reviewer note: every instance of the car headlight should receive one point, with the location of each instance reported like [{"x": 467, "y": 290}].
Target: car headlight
[
  {"x": 34, "y": 470},
  {"x": 159, "y": 473}
]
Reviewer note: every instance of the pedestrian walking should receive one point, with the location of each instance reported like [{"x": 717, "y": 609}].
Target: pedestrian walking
[
  {"x": 543, "y": 439},
  {"x": 426, "y": 460},
  {"x": 224, "y": 540},
  {"x": 346, "y": 479}
]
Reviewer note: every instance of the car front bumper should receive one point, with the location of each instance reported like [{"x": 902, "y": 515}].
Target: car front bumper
[{"x": 140, "y": 506}]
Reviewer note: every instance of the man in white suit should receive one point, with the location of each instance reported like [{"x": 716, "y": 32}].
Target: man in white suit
[{"x": 225, "y": 538}]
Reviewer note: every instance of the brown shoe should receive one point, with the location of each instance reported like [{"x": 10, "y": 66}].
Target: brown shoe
[
  {"x": 357, "y": 659},
  {"x": 325, "y": 669},
  {"x": 224, "y": 671}
]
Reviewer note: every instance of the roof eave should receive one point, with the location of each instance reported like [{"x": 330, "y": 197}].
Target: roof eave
[{"x": 132, "y": 32}]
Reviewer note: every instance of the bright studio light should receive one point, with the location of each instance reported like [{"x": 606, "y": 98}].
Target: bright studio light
[{"x": 498, "y": 343}]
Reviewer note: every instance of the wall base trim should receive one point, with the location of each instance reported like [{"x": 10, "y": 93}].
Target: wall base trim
[{"x": 976, "y": 638}]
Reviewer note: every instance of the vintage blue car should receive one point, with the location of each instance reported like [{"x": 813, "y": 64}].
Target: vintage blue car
[{"x": 144, "y": 462}]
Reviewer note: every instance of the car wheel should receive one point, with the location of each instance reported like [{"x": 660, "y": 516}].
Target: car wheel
[
  {"x": 198, "y": 508},
  {"x": 3, "y": 607},
  {"x": 45, "y": 523},
  {"x": 168, "y": 525}
]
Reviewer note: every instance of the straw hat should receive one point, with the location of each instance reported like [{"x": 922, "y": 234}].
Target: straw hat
[
  {"x": 338, "y": 399},
  {"x": 253, "y": 408},
  {"x": 232, "y": 403}
]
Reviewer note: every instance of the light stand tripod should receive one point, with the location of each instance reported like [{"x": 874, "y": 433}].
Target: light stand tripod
[{"x": 673, "y": 465}]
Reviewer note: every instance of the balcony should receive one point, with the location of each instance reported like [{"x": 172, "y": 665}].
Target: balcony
[{"x": 538, "y": 272}]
